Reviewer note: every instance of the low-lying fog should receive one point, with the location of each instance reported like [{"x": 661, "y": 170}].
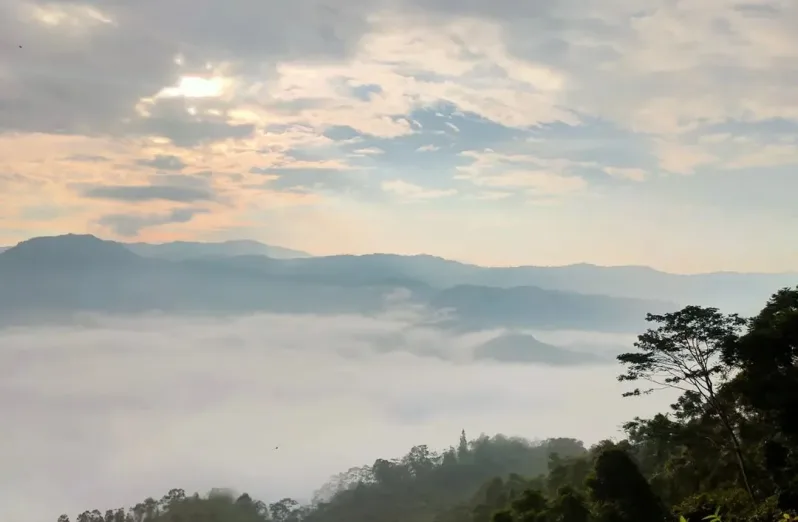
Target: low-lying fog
[{"x": 108, "y": 411}]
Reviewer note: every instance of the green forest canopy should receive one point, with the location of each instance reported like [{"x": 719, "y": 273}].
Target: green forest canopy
[{"x": 728, "y": 447}]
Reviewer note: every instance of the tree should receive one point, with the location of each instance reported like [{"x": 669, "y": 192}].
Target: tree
[
  {"x": 569, "y": 506},
  {"x": 686, "y": 352},
  {"x": 767, "y": 355},
  {"x": 620, "y": 492},
  {"x": 530, "y": 506},
  {"x": 462, "y": 446},
  {"x": 283, "y": 510},
  {"x": 420, "y": 460}
]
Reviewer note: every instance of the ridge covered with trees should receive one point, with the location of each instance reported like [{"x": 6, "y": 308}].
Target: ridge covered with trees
[{"x": 728, "y": 449}]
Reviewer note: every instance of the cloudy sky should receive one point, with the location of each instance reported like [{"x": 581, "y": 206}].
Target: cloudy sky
[
  {"x": 498, "y": 132},
  {"x": 109, "y": 412}
]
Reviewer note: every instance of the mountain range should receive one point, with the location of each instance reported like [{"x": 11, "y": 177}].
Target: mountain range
[
  {"x": 178, "y": 250},
  {"x": 52, "y": 276}
]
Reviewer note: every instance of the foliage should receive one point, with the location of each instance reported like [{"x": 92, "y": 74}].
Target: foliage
[{"x": 726, "y": 452}]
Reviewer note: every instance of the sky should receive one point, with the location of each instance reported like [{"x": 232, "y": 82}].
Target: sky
[
  {"x": 615, "y": 132},
  {"x": 109, "y": 411}
]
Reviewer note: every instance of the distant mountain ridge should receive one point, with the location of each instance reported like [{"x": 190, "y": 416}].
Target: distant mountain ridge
[
  {"x": 70, "y": 273},
  {"x": 499, "y": 293},
  {"x": 728, "y": 290},
  {"x": 66, "y": 250},
  {"x": 179, "y": 250}
]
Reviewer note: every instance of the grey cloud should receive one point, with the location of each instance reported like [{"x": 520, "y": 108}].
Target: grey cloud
[
  {"x": 757, "y": 10},
  {"x": 499, "y": 9},
  {"x": 76, "y": 82},
  {"x": 192, "y": 403},
  {"x": 89, "y": 79},
  {"x": 316, "y": 179},
  {"x": 195, "y": 179},
  {"x": 129, "y": 225},
  {"x": 171, "y": 119},
  {"x": 90, "y": 83},
  {"x": 163, "y": 162},
  {"x": 149, "y": 193},
  {"x": 306, "y": 154}
]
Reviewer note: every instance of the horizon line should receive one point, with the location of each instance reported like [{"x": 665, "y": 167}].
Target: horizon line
[{"x": 4, "y": 248}]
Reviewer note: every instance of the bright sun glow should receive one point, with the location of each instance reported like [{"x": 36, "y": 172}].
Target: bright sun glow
[{"x": 194, "y": 87}]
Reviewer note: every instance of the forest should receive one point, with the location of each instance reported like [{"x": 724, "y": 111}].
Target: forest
[{"x": 727, "y": 449}]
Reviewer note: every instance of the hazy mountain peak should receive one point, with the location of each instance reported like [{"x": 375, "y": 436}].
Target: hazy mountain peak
[
  {"x": 524, "y": 348},
  {"x": 68, "y": 249}
]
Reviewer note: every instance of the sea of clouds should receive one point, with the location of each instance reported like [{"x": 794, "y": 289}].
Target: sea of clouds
[{"x": 105, "y": 411}]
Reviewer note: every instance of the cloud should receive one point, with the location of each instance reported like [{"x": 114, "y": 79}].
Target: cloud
[
  {"x": 407, "y": 190},
  {"x": 368, "y": 151},
  {"x": 163, "y": 162},
  {"x": 129, "y": 225},
  {"x": 533, "y": 175},
  {"x": 200, "y": 403},
  {"x": 149, "y": 193},
  {"x": 316, "y": 179},
  {"x": 135, "y": 52},
  {"x": 610, "y": 61},
  {"x": 611, "y": 101},
  {"x": 626, "y": 173}
]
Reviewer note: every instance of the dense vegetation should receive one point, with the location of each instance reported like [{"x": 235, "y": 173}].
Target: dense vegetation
[{"x": 728, "y": 448}]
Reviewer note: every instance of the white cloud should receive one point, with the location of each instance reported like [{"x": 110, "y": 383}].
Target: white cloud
[
  {"x": 106, "y": 413},
  {"x": 70, "y": 17},
  {"x": 681, "y": 158},
  {"x": 412, "y": 191},
  {"x": 626, "y": 173},
  {"x": 536, "y": 182},
  {"x": 492, "y": 195},
  {"x": 369, "y": 151},
  {"x": 533, "y": 175}
]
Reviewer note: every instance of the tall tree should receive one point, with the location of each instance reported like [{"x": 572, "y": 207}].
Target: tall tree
[
  {"x": 685, "y": 351},
  {"x": 767, "y": 355},
  {"x": 462, "y": 446}
]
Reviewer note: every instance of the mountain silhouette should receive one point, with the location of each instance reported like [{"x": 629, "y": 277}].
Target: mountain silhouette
[
  {"x": 181, "y": 250},
  {"x": 524, "y": 348},
  {"x": 67, "y": 251},
  {"x": 62, "y": 275}
]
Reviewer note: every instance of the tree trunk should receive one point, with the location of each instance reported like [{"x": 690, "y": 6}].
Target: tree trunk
[{"x": 738, "y": 451}]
